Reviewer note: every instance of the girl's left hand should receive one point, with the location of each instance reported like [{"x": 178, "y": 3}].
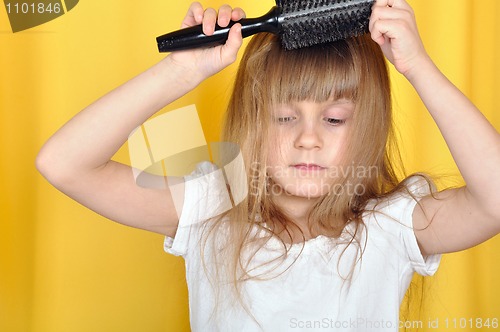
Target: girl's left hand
[{"x": 394, "y": 28}]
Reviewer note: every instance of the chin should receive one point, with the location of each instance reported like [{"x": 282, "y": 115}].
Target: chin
[
  {"x": 304, "y": 190},
  {"x": 309, "y": 193}
]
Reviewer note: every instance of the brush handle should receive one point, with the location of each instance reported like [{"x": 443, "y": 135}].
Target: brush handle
[{"x": 193, "y": 37}]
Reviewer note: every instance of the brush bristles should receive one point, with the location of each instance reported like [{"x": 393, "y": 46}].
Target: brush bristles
[{"x": 310, "y": 22}]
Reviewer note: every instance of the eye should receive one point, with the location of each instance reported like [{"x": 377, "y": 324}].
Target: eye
[
  {"x": 285, "y": 119},
  {"x": 334, "y": 122}
]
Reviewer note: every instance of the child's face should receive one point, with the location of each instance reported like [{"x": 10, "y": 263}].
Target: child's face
[{"x": 307, "y": 142}]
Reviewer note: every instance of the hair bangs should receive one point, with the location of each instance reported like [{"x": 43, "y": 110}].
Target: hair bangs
[{"x": 318, "y": 74}]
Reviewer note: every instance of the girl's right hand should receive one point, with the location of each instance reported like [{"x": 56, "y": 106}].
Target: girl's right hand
[{"x": 202, "y": 63}]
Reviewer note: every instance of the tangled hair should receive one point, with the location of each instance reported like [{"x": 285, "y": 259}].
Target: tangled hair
[{"x": 354, "y": 69}]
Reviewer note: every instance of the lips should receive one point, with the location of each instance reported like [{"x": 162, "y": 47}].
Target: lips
[{"x": 308, "y": 167}]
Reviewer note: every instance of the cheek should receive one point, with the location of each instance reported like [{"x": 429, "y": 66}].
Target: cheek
[
  {"x": 335, "y": 152},
  {"x": 279, "y": 148},
  {"x": 336, "y": 147}
]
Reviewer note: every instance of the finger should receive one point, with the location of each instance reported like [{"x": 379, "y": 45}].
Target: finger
[
  {"x": 238, "y": 14},
  {"x": 387, "y": 29},
  {"x": 194, "y": 15},
  {"x": 379, "y": 36},
  {"x": 403, "y": 4},
  {"x": 383, "y": 3},
  {"x": 392, "y": 3},
  {"x": 229, "y": 50},
  {"x": 224, "y": 17},
  {"x": 388, "y": 13},
  {"x": 209, "y": 19}
]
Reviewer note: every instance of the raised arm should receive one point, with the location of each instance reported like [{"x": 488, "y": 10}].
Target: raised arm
[
  {"x": 77, "y": 158},
  {"x": 459, "y": 218}
]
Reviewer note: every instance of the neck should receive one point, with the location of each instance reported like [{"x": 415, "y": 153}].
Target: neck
[{"x": 298, "y": 210}]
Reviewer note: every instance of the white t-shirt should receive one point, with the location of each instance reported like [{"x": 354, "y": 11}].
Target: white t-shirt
[{"x": 311, "y": 294}]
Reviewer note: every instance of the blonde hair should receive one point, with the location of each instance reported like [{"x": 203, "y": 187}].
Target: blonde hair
[{"x": 268, "y": 75}]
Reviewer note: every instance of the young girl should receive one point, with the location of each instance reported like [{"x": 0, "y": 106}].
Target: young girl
[{"x": 327, "y": 236}]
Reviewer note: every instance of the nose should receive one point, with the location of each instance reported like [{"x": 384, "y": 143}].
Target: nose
[{"x": 308, "y": 137}]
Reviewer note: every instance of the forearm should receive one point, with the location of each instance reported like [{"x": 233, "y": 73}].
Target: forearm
[
  {"x": 92, "y": 137},
  {"x": 472, "y": 140}
]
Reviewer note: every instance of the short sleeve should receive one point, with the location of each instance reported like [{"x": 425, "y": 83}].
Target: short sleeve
[
  {"x": 418, "y": 187},
  {"x": 205, "y": 196}
]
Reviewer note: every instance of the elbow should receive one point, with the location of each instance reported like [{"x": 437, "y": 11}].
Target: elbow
[
  {"x": 44, "y": 165},
  {"x": 49, "y": 165},
  {"x": 41, "y": 162}
]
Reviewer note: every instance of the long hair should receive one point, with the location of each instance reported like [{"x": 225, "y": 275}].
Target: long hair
[{"x": 268, "y": 75}]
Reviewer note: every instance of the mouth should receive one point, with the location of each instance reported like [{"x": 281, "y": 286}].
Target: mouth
[{"x": 308, "y": 167}]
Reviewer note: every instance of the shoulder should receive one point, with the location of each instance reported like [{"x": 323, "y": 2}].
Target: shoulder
[
  {"x": 397, "y": 206},
  {"x": 205, "y": 196},
  {"x": 389, "y": 221}
]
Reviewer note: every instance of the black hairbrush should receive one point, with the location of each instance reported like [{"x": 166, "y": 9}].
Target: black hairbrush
[{"x": 300, "y": 23}]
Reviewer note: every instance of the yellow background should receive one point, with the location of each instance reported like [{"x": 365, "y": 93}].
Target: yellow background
[{"x": 65, "y": 268}]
